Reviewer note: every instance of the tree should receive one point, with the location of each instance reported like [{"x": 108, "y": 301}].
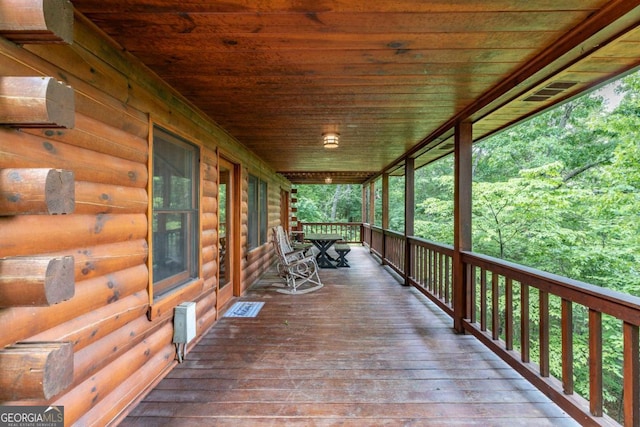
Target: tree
[{"x": 329, "y": 203}]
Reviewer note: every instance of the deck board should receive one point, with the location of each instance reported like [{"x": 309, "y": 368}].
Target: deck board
[{"x": 361, "y": 351}]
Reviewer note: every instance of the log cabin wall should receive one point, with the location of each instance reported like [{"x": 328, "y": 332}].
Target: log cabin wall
[
  {"x": 256, "y": 259},
  {"x": 109, "y": 342}
]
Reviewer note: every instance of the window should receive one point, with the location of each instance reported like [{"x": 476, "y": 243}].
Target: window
[
  {"x": 175, "y": 211},
  {"x": 258, "y": 209}
]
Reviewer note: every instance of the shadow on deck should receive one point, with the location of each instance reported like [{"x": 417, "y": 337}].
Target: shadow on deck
[{"x": 362, "y": 351}]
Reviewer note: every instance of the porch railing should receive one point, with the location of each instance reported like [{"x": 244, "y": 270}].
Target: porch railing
[
  {"x": 351, "y": 232},
  {"x": 504, "y": 300}
]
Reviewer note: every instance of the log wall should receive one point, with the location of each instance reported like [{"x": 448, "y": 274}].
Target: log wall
[{"x": 120, "y": 337}]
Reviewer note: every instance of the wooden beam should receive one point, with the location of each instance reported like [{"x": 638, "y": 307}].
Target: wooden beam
[
  {"x": 36, "y": 102},
  {"x": 35, "y": 370},
  {"x": 462, "y": 219},
  {"x": 37, "y": 21},
  {"x": 36, "y": 191},
  {"x": 36, "y": 281}
]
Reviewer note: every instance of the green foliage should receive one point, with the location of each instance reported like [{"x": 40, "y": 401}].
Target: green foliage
[
  {"x": 329, "y": 203},
  {"x": 434, "y": 201},
  {"x": 561, "y": 193}
]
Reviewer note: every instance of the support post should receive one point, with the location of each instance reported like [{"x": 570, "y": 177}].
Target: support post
[
  {"x": 372, "y": 203},
  {"x": 462, "y": 219},
  {"x": 385, "y": 201},
  {"x": 409, "y": 215},
  {"x": 385, "y": 213},
  {"x": 37, "y": 21},
  {"x": 365, "y": 212},
  {"x": 631, "y": 385},
  {"x": 36, "y": 102}
]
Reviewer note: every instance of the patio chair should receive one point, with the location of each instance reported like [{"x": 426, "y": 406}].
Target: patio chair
[{"x": 299, "y": 271}]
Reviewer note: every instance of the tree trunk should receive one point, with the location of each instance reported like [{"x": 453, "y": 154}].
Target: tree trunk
[{"x": 334, "y": 202}]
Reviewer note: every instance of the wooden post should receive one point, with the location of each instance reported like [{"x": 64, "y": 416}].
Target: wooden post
[
  {"x": 35, "y": 370},
  {"x": 36, "y": 102},
  {"x": 409, "y": 214},
  {"x": 365, "y": 217},
  {"x": 37, "y": 21},
  {"x": 385, "y": 201},
  {"x": 372, "y": 203},
  {"x": 462, "y": 219},
  {"x": 36, "y": 281},
  {"x": 631, "y": 376},
  {"x": 385, "y": 214},
  {"x": 36, "y": 191}
]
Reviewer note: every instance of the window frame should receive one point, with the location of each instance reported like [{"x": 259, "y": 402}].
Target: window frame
[
  {"x": 191, "y": 214},
  {"x": 258, "y": 212}
]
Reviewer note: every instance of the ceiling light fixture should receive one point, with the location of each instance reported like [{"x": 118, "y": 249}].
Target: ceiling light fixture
[
  {"x": 330, "y": 139},
  {"x": 328, "y": 180}
]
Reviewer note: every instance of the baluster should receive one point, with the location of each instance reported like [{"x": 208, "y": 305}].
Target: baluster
[
  {"x": 467, "y": 271},
  {"x": 425, "y": 267},
  {"x": 440, "y": 289},
  {"x": 544, "y": 333},
  {"x": 418, "y": 262},
  {"x": 432, "y": 266},
  {"x": 525, "y": 349},
  {"x": 447, "y": 280},
  {"x": 471, "y": 288},
  {"x": 483, "y": 299},
  {"x": 425, "y": 253},
  {"x": 567, "y": 346},
  {"x": 595, "y": 362},
  {"x": 495, "y": 308},
  {"x": 508, "y": 313}
]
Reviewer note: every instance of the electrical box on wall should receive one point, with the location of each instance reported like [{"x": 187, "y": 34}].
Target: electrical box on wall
[{"x": 184, "y": 323}]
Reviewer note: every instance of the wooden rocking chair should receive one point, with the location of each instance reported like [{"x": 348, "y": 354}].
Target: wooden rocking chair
[{"x": 294, "y": 266}]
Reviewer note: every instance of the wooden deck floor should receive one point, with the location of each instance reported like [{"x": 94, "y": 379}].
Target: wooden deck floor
[{"x": 361, "y": 351}]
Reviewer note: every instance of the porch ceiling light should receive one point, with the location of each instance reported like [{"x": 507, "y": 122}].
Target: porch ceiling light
[
  {"x": 328, "y": 180},
  {"x": 330, "y": 139}
]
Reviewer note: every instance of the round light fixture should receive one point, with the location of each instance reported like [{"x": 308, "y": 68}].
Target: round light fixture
[{"x": 330, "y": 139}]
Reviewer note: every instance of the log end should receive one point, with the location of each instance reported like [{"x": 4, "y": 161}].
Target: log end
[
  {"x": 58, "y": 16},
  {"x": 31, "y": 22},
  {"x": 61, "y": 106},
  {"x": 60, "y": 280},
  {"x": 36, "y": 102},
  {"x": 35, "y": 370},
  {"x": 60, "y": 192},
  {"x": 58, "y": 371}
]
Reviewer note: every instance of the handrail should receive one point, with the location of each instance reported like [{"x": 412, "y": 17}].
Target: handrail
[
  {"x": 601, "y": 299},
  {"x": 351, "y": 232},
  {"x": 491, "y": 285}
]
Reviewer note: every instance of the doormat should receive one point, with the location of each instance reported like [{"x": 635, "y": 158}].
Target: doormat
[{"x": 244, "y": 309}]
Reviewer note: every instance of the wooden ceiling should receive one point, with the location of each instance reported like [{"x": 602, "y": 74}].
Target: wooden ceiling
[{"x": 391, "y": 76}]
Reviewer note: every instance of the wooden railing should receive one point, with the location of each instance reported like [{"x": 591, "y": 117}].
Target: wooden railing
[
  {"x": 432, "y": 271},
  {"x": 351, "y": 232},
  {"x": 504, "y": 299}
]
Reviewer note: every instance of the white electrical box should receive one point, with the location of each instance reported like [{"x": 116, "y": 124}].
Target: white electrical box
[{"x": 184, "y": 323}]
